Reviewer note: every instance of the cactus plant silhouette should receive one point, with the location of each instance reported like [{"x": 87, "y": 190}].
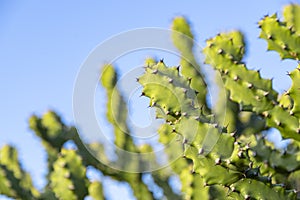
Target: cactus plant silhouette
[{"x": 242, "y": 164}]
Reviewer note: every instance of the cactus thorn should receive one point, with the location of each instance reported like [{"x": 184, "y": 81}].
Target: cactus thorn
[
  {"x": 217, "y": 161},
  {"x": 248, "y": 145},
  {"x": 200, "y": 151},
  {"x": 153, "y": 103},
  {"x": 233, "y": 134},
  {"x": 240, "y": 154},
  {"x": 220, "y": 51},
  {"x": 287, "y": 93},
  {"x": 170, "y": 80},
  {"x": 250, "y": 85},
  {"x": 270, "y": 37},
  {"x": 265, "y": 114},
  {"x": 161, "y": 60},
  {"x": 185, "y": 141},
  {"x": 232, "y": 188},
  {"x": 251, "y": 164},
  {"x": 277, "y": 122},
  {"x": 284, "y": 47},
  {"x": 266, "y": 93},
  {"x": 154, "y": 71},
  {"x": 226, "y": 126},
  {"x": 143, "y": 94}
]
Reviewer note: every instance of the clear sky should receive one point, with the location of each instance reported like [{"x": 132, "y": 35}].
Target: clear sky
[{"x": 43, "y": 44}]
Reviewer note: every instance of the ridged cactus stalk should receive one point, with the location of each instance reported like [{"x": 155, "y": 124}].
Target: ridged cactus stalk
[{"x": 222, "y": 148}]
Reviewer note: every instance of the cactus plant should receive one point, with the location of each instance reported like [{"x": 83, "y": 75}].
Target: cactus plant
[{"x": 222, "y": 156}]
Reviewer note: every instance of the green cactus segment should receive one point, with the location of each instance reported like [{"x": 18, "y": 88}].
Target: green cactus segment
[
  {"x": 14, "y": 181},
  {"x": 5, "y": 185},
  {"x": 50, "y": 129},
  {"x": 177, "y": 98},
  {"x": 211, "y": 158},
  {"x": 225, "y": 49},
  {"x": 266, "y": 154},
  {"x": 248, "y": 95},
  {"x": 117, "y": 116},
  {"x": 246, "y": 87},
  {"x": 196, "y": 189},
  {"x": 253, "y": 189},
  {"x": 294, "y": 92},
  {"x": 116, "y": 109},
  {"x": 294, "y": 181},
  {"x": 53, "y": 133},
  {"x": 291, "y": 15},
  {"x": 287, "y": 124},
  {"x": 182, "y": 37},
  {"x": 215, "y": 174},
  {"x": 68, "y": 179},
  {"x": 96, "y": 191},
  {"x": 193, "y": 186},
  {"x": 281, "y": 36}
]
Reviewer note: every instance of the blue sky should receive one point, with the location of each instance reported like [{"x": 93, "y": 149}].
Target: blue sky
[{"x": 44, "y": 43}]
